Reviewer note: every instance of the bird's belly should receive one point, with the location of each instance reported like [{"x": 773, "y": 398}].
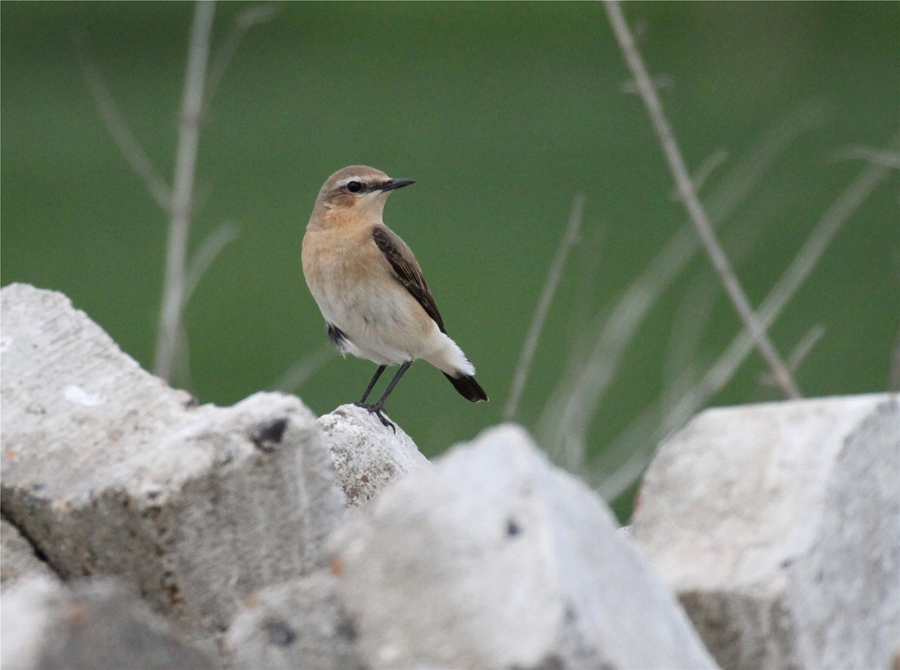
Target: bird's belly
[{"x": 381, "y": 321}]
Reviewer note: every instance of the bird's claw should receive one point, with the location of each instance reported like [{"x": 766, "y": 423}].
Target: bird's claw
[{"x": 377, "y": 411}]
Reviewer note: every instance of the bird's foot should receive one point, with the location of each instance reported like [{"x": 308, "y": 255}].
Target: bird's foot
[{"x": 377, "y": 410}]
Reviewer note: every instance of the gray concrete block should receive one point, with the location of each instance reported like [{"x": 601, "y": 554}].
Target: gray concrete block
[
  {"x": 367, "y": 455},
  {"x": 17, "y": 557},
  {"x": 779, "y": 527},
  {"x": 109, "y": 471},
  {"x": 90, "y": 625},
  {"x": 297, "y": 624},
  {"x": 496, "y": 559}
]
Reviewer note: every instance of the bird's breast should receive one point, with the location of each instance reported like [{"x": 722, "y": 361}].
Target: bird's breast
[
  {"x": 347, "y": 277},
  {"x": 340, "y": 261},
  {"x": 357, "y": 292}
]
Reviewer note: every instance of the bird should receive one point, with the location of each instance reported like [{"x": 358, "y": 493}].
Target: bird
[{"x": 370, "y": 288}]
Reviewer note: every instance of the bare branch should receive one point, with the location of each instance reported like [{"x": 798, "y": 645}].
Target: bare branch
[
  {"x": 244, "y": 21},
  {"x": 298, "y": 374},
  {"x": 117, "y": 127},
  {"x": 564, "y": 422},
  {"x": 803, "y": 348},
  {"x": 659, "y": 82},
  {"x": 181, "y": 365},
  {"x": 791, "y": 280},
  {"x": 692, "y": 203},
  {"x": 185, "y": 165},
  {"x": 639, "y": 442},
  {"x": 882, "y": 157},
  {"x": 540, "y": 313},
  {"x": 702, "y": 173},
  {"x": 210, "y": 248},
  {"x": 800, "y": 351},
  {"x": 688, "y": 326}
]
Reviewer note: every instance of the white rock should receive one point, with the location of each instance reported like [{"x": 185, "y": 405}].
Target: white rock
[
  {"x": 97, "y": 625},
  {"x": 297, "y": 624},
  {"x": 495, "y": 559},
  {"x": 367, "y": 455},
  {"x": 110, "y": 471},
  {"x": 779, "y": 527},
  {"x": 17, "y": 557}
]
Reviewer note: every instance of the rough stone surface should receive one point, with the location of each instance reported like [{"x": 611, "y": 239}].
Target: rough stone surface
[
  {"x": 367, "y": 455},
  {"x": 779, "y": 527},
  {"x": 298, "y": 624},
  {"x": 109, "y": 471},
  {"x": 17, "y": 557},
  {"x": 92, "y": 625},
  {"x": 495, "y": 559}
]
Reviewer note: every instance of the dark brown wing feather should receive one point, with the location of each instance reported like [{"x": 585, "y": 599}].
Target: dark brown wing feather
[{"x": 407, "y": 270}]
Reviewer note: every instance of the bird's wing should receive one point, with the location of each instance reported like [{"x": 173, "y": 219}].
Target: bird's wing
[{"x": 407, "y": 270}]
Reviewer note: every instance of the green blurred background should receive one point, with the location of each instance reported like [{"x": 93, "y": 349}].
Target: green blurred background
[{"x": 501, "y": 112}]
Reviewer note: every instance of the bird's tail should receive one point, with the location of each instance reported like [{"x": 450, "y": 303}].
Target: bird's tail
[{"x": 467, "y": 386}]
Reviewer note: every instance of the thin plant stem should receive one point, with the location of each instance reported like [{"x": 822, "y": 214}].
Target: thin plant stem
[
  {"x": 691, "y": 202},
  {"x": 800, "y": 351},
  {"x": 181, "y": 276},
  {"x": 564, "y": 422},
  {"x": 883, "y": 157},
  {"x": 702, "y": 173},
  {"x": 245, "y": 20},
  {"x": 118, "y": 128},
  {"x": 212, "y": 245},
  {"x": 639, "y": 441},
  {"x": 797, "y": 273},
  {"x": 182, "y": 192},
  {"x": 803, "y": 348},
  {"x": 301, "y": 371},
  {"x": 543, "y": 307}
]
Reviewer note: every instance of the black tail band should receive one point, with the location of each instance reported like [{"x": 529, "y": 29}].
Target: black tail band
[{"x": 468, "y": 388}]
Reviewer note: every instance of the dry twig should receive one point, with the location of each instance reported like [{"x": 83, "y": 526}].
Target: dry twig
[
  {"x": 118, "y": 128},
  {"x": 540, "y": 313},
  {"x": 244, "y": 21},
  {"x": 883, "y": 157},
  {"x": 688, "y": 195},
  {"x": 182, "y": 192},
  {"x": 204, "y": 257},
  {"x": 652, "y": 425},
  {"x": 298, "y": 374},
  {"x": 565, "y": 420}
]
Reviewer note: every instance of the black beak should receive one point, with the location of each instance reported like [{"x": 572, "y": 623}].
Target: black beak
[{"x": 392, "y": 184}]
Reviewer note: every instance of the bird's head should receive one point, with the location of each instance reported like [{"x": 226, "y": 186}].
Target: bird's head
[{"x": 358, "y": 189}]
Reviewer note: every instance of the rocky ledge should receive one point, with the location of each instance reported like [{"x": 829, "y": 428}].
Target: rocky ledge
[{"x": 142, "y": 530}]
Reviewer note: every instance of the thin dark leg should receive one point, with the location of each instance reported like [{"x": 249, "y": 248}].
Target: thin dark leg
[
  {"x": 403, "y": 368},
  {"x": 371, "y": 384},
  {"x": 376, "y": 408}
]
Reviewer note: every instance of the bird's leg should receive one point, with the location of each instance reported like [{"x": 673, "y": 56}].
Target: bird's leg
[
  {"x": 377, "y": 408},
  {"x": 387, "y": 392},
  {"x": 371, "y": 384}
]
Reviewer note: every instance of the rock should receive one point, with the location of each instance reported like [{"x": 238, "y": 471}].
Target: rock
[
  {"x": 777, "y": 525},
  {"x": 297, "y": 624},
  {"x": 109, "y": 471},
  {"x": 96, "y": 625},
  {"x": 495, "y": 559},
  {"x": 367, "y": 455},
  {"x": 17, "y": 557}
]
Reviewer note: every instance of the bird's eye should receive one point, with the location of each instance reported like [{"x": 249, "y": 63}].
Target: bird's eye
[{"x": 354, "y": 187}]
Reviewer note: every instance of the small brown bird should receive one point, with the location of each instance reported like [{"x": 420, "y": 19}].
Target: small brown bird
[{"x": 370, "y": 288}]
